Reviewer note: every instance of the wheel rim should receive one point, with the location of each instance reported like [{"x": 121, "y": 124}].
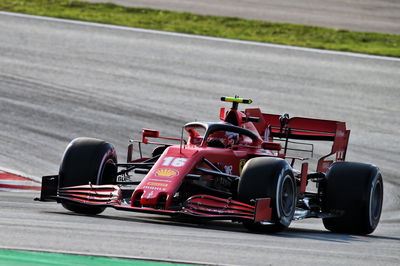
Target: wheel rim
[
  {"x": 287, "y": 196},
  {"x": 376, "y": 202}
]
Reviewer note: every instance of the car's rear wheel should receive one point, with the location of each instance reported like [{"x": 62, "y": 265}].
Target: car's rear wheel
[
  {"x": 354, "y": 191},
  {"x": 87, "y": 160},
  {"x": 269, "y": 178}
]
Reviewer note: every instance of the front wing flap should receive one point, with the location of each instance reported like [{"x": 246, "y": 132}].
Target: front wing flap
[
  {"x": 211, "y": 207},
  {"x": 91, "y": 194}
]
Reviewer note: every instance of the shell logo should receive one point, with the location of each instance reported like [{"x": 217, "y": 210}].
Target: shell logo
[{"x": 164, "y": 172}]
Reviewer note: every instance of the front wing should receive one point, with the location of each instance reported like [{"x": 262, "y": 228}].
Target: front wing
[{"x": 200, "y": 206}]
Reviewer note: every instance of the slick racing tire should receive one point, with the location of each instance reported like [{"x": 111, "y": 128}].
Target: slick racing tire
[
  {"x": 87, "y": 160},
  {"x": 354, "y": 192},
  {"x": 269, "y": 178}
]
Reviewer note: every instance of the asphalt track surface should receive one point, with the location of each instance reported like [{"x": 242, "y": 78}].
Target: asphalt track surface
[
  {"x": 62, "y": 80},
  {"x": 358, "y": 15}
]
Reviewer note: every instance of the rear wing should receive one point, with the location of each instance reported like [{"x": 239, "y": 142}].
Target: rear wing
[{"x": 281, "y": 126}]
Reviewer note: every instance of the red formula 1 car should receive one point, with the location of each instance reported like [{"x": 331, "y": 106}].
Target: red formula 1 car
[{"x": 238, "y": 169}]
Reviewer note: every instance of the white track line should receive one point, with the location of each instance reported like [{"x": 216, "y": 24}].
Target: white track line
[{"x": 280, "y": 46}]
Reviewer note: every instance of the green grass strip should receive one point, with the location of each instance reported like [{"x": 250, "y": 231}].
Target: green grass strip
[
  {"x": 22, "y": 258},
  {"x": 224, "y": 27}
]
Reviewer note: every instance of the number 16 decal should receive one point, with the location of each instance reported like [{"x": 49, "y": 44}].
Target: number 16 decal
[{"x": 174, "y": 161}]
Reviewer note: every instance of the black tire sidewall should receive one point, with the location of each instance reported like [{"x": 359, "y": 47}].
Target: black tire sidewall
[
  {"x": 373, "y": 219},
  {"x": 285, "y": 218}
]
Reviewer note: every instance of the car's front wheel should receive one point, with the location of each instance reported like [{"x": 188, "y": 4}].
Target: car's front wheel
[
  {"x": 87, "y": 160},
  {"x": 269, "y": 178}
]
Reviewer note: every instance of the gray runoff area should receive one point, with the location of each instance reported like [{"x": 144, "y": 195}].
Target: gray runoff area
[
  {"x": 62, "y": 80},
  {"x": 358, "y": 15}
]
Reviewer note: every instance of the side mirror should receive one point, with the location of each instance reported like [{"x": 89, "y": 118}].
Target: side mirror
[
  {"x": 222, "y": 113},
  {"x": 273, "y": 146},
  {"x": 149, "y": 133}
]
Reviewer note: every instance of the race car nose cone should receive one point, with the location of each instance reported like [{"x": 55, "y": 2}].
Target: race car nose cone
[{"x": 149, "y": 198}]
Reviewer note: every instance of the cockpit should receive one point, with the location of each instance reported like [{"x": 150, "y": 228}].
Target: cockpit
[{"x": 219, "y": 135}]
